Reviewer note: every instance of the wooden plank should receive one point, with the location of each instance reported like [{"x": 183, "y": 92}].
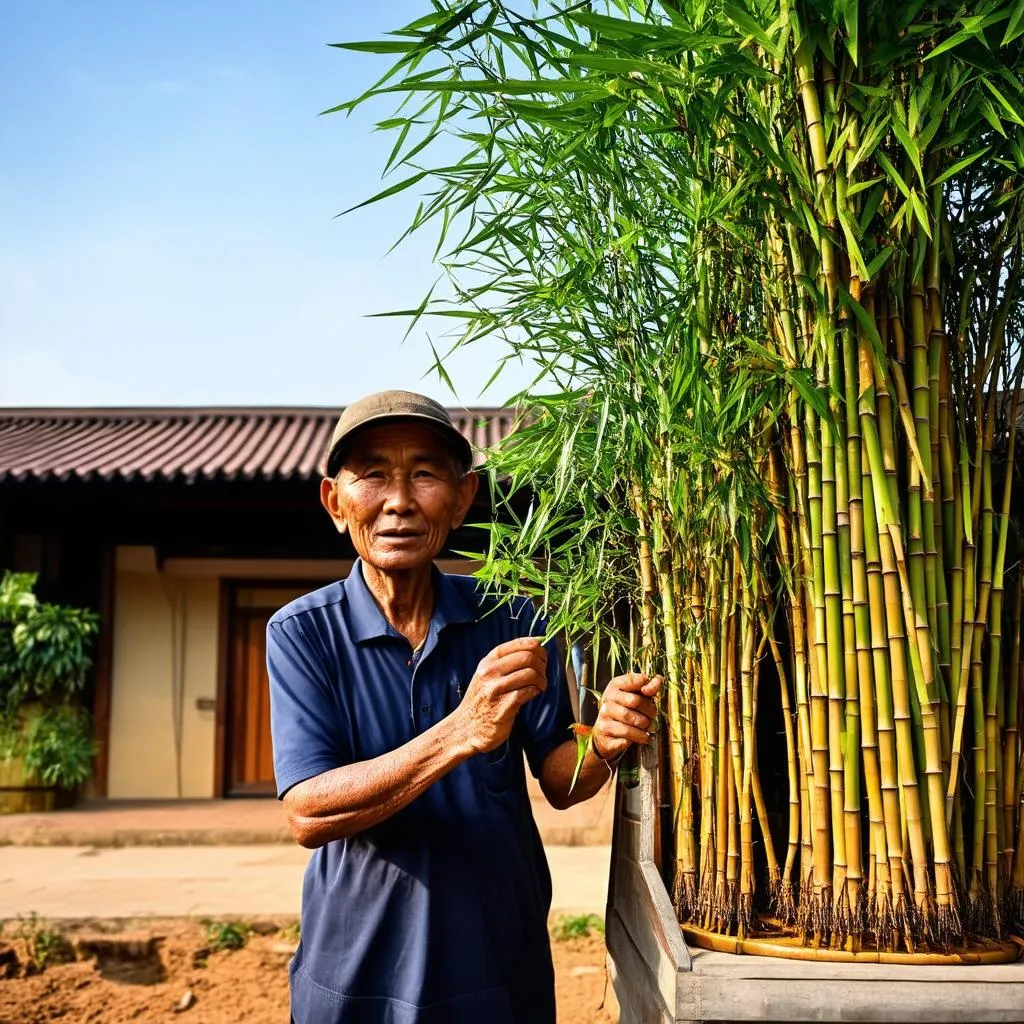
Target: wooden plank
[
  {"x": 670, "y": 937},
  {"x": 711, "y": 998},
  {"x": 648, "y": 934},
  {"x": 251, "y": 704},
  {"x": 236, "y": 700},
  {"x": 259, "y": 701},
  {"x": 733, "y": 967},
  {"x": 636, "y": 988},
  {"x": 220, "y": 727}
]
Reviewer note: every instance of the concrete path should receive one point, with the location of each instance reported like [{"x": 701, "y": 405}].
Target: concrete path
[
  {"x": 61, "y": 882},
  {"x": 244, "y": 822}
]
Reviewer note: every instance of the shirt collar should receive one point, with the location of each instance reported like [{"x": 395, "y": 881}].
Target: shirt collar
[{"x": 367, "y": 621}]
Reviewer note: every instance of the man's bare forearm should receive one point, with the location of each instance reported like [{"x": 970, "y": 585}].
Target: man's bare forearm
[
  {"x": 557, "y": 771},
  {"x": 348, "y": 800}
]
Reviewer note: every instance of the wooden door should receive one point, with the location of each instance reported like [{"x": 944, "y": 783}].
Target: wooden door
[{"x": 251, "y": 761}]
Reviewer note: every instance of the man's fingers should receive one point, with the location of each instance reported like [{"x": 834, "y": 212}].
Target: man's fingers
[
  {"x": 525, "y": 694},
  {"x": 622, "y": 731},
  {"x": 517, "y": 661},
  {"x": 631, "y": 682},
  {"x": 524, "y": 677},
  {"x": 521, "y": 643},
  {"x": 652, "y": 686},
  {"x": 636, "y": 719},
  {"x": 496, "y": 666},
  {"x": 634, "y": 702}
]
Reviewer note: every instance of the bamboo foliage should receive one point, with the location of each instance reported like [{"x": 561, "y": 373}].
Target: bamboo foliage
[{"x": 765, "y": 257}]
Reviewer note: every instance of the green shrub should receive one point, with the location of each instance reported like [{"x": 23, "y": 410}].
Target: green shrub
[
  {"x": 44, "y": 944},
  {"x": 230, "y": 935},
  {"x": 44, "y": 663},
  {"x": 576, "y": 926}
]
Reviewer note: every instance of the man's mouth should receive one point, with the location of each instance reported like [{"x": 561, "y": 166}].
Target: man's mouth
[{"x": 398, "y": 534}]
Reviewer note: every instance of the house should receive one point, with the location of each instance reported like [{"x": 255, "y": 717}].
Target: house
[{"x": 186, "y": 529}]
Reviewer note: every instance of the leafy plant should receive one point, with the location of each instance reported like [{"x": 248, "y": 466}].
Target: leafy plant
[
  {"x": 44, "y": 944},
  {"x": 576, "y": 926},
  {"x": 226, "y": 935},
  {"x": 44, "y": 662}
]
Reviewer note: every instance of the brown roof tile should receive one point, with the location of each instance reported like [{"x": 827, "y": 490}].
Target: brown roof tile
[{"x": 188, "y": 444}]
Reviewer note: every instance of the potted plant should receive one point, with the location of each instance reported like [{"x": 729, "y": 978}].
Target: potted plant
[{"x": 46, "y": 738}]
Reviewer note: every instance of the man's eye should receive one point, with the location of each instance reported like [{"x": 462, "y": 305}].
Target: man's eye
[{"x": 374, "y": 474}]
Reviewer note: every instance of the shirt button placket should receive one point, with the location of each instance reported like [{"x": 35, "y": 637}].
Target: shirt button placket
[{"x": 423, "y": 721}]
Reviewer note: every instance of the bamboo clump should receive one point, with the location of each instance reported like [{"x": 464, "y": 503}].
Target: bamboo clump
[{"x": 766, "y": 259}]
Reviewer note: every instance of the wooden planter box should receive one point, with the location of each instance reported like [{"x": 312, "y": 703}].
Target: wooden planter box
[{"x": 659, "y": 980}]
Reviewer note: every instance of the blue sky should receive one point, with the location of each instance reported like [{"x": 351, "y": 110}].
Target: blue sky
[{"x": 167, "y": 209}]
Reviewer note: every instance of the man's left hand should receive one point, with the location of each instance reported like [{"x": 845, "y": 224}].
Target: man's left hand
[{"x": 626, "y": 715}]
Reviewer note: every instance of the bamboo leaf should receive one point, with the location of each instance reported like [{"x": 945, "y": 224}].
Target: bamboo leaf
[
  {"x": 973, "y": 29},
  {"x": 1003, "y": 102},
  {"x": 1015, "y": 27},
  {"x": 954, "y": 169},
  {"x": 874, "y": 268},
  {"x": 894, "y": 176},
  {"x": 392, "y": 190},
  {"x": 864, "y": 318},
  {"x": 380, "y": 46},
  {"x": 853, "y": 247},
  {"x": 751, "y": 29},
  {"x": 909, "y": 146}
]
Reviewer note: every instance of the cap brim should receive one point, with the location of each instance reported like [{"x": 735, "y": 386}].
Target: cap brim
[{"x": 460, "y": 445}]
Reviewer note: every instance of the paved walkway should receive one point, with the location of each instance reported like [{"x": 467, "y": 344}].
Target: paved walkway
[
  {"x": 73, "y": 882},
  {"x": 242, "y": 822}
]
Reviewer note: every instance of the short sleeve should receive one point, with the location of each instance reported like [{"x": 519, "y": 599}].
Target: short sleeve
[
  {"x": 545, "y": 720},
  {"x": 304, "y": 726}
]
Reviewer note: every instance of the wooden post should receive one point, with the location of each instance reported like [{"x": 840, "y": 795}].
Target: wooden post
[{"x": 103, "y": 692}]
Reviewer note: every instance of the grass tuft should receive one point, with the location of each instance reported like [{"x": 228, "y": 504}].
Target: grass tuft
[
  {"x": 44, "y": 944},
  {"x": 229, "y": 935},
  {"x": 576, "y": 926}
]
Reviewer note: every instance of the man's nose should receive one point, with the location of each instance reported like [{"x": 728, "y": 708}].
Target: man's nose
[{"x": 399, "y": 496}]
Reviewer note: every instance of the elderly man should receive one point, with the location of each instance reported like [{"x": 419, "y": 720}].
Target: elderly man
[{"x": 402, "y": 702}]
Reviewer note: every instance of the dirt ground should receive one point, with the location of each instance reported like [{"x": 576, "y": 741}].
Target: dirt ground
[{"x": 167, "y": 971}]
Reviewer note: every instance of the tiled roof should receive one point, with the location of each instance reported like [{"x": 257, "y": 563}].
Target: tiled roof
[{"x": 187, "y": 444}]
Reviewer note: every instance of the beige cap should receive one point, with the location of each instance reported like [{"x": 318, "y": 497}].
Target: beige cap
[{"x": 394, "y": 405}]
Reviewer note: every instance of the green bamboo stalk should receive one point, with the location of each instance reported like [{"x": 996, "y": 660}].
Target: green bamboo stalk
[
  {"x": 745, "y": 905},
  {"x": 819, "y": 902},
  {"x": 1011, "y": 733}
]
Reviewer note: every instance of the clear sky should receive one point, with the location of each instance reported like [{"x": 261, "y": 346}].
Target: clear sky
[{"x": 167, "y": 209}]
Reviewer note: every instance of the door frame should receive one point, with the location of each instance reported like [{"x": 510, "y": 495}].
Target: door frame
[{"x": 225, "y": 713}]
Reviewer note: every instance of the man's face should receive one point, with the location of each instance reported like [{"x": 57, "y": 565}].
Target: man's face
[{"x": 398, "y": 495}]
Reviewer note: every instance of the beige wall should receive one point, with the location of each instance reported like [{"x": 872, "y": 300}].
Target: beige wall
[{"x": 165, "y": 657}]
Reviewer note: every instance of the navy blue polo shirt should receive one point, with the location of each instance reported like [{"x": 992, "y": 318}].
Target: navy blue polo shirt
[{"x": 437, "y": 915}]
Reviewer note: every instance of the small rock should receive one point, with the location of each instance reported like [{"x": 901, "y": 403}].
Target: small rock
[
  {"x": 583, "y": 969},
  {"x": 265, "y": 927},
  {"x": 286, "y": 949},
  {"x": 186, "y": 1002}
]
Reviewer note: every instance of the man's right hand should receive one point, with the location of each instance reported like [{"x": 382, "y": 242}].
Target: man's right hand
[{"x": 512, "y": 674}]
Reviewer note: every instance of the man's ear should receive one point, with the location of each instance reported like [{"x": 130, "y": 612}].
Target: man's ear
[
  {"x": 329, "y": 500},
  {"x": 467, "y": 492}
]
